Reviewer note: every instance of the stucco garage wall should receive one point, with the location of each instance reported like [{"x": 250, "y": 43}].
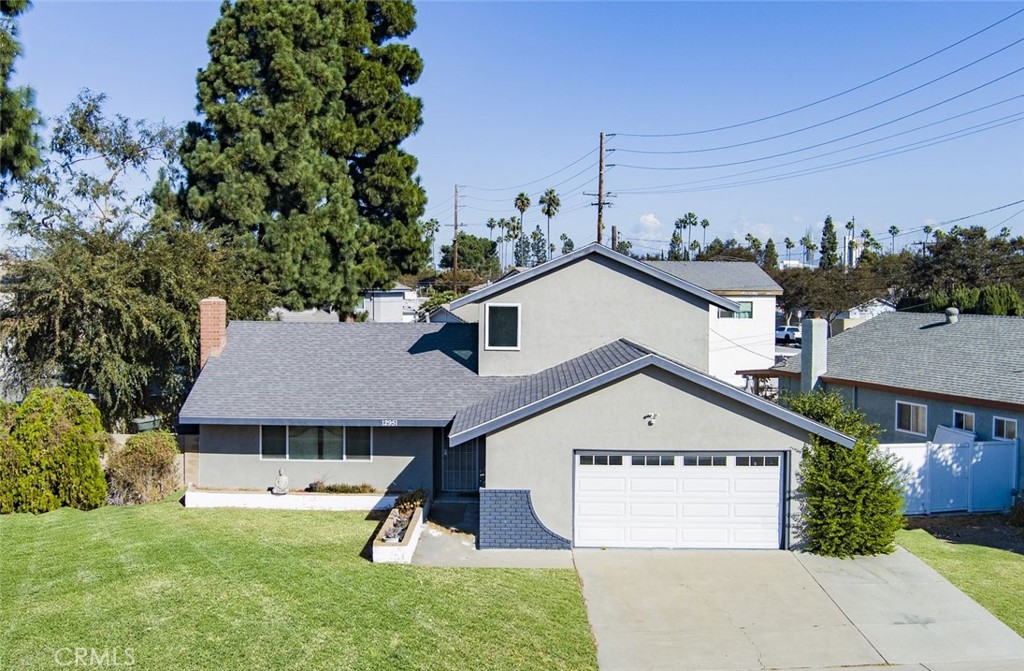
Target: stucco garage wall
[
  {"x": 537, "y": 454},
  {"x": 229, "y": 457},
  {"x": 590, "y": 303}
]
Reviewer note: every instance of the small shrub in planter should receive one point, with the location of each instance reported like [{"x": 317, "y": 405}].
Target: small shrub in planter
[
  {"x": 321, "y": 487},
  {"x": 143, "y": 470},
  {"x": 409, "y": 501},
  {"x": 852, "y": 497}
]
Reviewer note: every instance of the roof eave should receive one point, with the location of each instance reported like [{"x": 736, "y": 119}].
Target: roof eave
[{"x": 511, "y": 281}]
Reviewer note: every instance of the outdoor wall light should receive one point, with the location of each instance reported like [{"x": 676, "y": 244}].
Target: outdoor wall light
[{"x": 651, "y": 418}]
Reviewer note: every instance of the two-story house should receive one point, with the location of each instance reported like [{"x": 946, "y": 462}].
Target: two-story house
[{"x": 575, "y": 400}]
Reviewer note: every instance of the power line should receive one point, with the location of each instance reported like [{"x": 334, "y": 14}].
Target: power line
[
  {"x": 653, "y": 189},
  {"x": 525, "y": 184},
  {"x": 831, "y": 97},
  {"x": 978, "y": 214},
  {"x": 841, "y": 116},
  {"x": 960, "y": 132},
  {"x": 887, "y": 153}
]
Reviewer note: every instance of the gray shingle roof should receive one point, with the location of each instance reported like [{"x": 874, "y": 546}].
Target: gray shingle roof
[
  {"x": 720, "y": 275},
  {"x": 548, "y": 383},
  {"x": 979, "y": 357},
  {"x": 307, "y": 372}
]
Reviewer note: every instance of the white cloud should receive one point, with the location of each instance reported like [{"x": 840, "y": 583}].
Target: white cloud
[
  {"x": 743, "y": 225},
  {"x": 649, "y": 233}
]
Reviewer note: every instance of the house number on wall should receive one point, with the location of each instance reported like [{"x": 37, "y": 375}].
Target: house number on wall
[{"x": 389, "y": 422}]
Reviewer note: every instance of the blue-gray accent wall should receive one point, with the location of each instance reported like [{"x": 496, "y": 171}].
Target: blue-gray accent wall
[{"x": 507, "y": 520}]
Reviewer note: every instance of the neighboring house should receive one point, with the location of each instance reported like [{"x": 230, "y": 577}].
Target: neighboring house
[
  {"x": 736, "y": 339},
  {"x": 914, "y": 373},
  {"x": 860, "y": 314},
  {"x": 310, "y": 315},
  {"x": 574, "y": 402},
  {"x": 398, "y": 304},
  {"x": 442, "y": 314}
]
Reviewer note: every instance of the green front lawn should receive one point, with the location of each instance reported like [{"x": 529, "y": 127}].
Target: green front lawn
[
  {"x": 994, "y": 578},
  {"x": 256, "y": 589}
]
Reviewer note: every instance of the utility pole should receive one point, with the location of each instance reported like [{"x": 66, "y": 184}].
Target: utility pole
[
  {"x": 601, "y": 202},
  {"x": 455, "y": 245},
  {"x": 615, "y": 238},
  {"x": 600, "y": 192}
]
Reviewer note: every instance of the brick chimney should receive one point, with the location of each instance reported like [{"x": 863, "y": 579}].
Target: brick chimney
[{"x": 213, "y": 323}]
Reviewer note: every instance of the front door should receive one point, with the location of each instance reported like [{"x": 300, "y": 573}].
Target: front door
[{"x": 460, "y": 467}]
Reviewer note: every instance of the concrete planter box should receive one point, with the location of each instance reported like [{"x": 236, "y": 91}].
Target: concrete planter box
[
  {"x": 197, "y": 498},
  {"x": 400, "y": 552}
]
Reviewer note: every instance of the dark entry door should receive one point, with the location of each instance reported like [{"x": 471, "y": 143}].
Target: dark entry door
[{"x": 460, "y": 467}]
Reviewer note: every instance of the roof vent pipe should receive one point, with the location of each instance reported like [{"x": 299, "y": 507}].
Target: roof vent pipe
[{"x": 952, "y": 315}]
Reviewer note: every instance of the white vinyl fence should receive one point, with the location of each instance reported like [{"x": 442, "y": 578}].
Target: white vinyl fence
[{"x": 972, "y": 477}]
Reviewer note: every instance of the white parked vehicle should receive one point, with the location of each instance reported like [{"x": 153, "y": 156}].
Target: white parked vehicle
[{"x": 788, "y": 334}]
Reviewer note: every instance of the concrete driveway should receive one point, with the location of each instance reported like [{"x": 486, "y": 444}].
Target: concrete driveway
[{"x": 709, "y": 610}]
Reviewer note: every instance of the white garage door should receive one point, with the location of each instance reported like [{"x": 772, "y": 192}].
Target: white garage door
[{"x": 682, "y": 500}]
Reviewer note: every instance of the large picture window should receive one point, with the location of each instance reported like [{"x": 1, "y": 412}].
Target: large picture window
[
  {"x": 502, "y": 327},
  {"x": 912, "y": 418},
  {"x": 317, "y": 443}
]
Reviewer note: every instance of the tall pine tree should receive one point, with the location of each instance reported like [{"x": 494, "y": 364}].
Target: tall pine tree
[
  {"x": 304, "y": 108},
  {"x": 19, "y": 143},
  {"x": 829, "y": 245}
]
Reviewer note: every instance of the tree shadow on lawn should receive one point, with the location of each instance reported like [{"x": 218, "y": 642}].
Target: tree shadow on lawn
[{"x": 989, "y": 530}]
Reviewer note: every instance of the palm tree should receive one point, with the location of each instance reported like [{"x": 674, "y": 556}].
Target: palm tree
[
  {"x": 502, "y": 232},
  {"x": 549, "y": 204},
  {"x": 848, "y": 246},
  {"x": 789, "y": 246},
  {"x": 894, "y": 230},
  {"x": 491, "y": 225},
  {"x": 694, "y": 246},
  {"x": 927, "y": 234},
  {"x": 522, "y": 204},
  {"x": 704, "y": 224},
  {"x": 809, "y": 248}
]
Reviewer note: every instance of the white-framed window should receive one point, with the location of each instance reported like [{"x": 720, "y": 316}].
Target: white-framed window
[
  {"x": 316, "y": 443},
  {"x": 746, "y": 311},
  {"x": 963, "y": 420},
  {"x": 502, "y": 326},
  {"x": 912, "y": 418},
  {"x": 1004, "y": 428}
]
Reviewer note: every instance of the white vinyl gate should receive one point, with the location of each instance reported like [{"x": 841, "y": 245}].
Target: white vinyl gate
[
  {"x": 681, "y": 500},
  {"x": 972, "y": 477}
]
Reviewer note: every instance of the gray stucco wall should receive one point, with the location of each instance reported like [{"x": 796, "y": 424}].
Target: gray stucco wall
[
  {"x": 590, "y": 303},
  {"x": 229, "y": 457},
  {"x": 537, "y": 454}
]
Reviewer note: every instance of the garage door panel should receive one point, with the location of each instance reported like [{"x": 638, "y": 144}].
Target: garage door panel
[
  {"x": 640, "y": 504},
  {"x": 694, "y": 483},
  {"x": 602, "y": 509},
  {"x": 667, "y": 510},
  {"x": 763, "y": 484},
  {"x": 649, "y": 484},
  {"x": 602, "y": 484}
]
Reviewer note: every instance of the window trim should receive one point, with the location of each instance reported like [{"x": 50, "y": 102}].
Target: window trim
[
  {"x": 1016, "y": 428},
  {"x": 519, "y": 326},
  {"x": 913, "y": 405},
  {"x": 974, "y": 420},
  {"x": 344, "y": 447}
]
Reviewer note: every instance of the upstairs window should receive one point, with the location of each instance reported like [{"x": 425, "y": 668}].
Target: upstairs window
[
  {"x": 502, "y": 326},
  {"x": 963, "y": 420},
  {"x": 746, "y": 311},
  {"x": 1004, "y": 429},
  {"x": 912, "y": 418}
]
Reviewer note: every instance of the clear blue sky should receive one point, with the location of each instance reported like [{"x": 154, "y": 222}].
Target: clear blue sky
[{"x": 516, "y": 91}]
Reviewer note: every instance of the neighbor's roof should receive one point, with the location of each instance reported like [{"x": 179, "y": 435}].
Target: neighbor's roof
[
  {"x": 597, "y": 368},
  {"x": 309, "y": 373},
  {"x": 721, "y": 275},
  {"x": 514, "y": 279},
  {"x": 979, "y": 357}
]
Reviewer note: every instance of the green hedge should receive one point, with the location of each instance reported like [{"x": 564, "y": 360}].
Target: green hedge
[
  {"x": 50, "y": 449},
  {"x": 852, "y": 497}
]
